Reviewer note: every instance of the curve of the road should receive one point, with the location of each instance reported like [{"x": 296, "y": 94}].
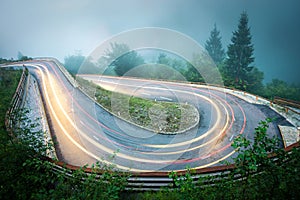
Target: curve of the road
[{"x": 86, "y": 133}]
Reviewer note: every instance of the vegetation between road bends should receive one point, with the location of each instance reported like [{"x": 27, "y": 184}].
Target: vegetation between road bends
[{"x": 158, "y": 116}]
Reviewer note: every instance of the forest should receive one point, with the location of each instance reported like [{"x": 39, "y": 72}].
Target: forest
[{"x": 236, "y": 65}]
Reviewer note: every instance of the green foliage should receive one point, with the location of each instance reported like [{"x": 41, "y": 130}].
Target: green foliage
[
  {"x": 24, "y": 172},
  {"x": 240, "y": 55},
  {"x": 262, "y": 177},
  {"x": 184, "y": 185},
  {"x": 192, "y": 74},
  {"x": 253, "y": 156},
  {"x": 9, "y": 80},
  {"x": 17, "y": 180},
  {"x": 186, "y": 69},
  {"x": 73, "y": 63},
  {"x": 21, "y": 57},
  {"x": 254, "y": 82},
  {"x": 121, "y": 59},
  {"x": 79, "y": 64},
  {"x": 26, "y": 175},
  {"x": 81, "y": 185},
  {"x": 214, "y": 46},
  {"x": 256, "y": 176},
  {"x": 206, "y": 68},
  {"x": 163, "y": 59},
  {"x": 282, "y": 89},
  {"x": 4, "y": 60}
]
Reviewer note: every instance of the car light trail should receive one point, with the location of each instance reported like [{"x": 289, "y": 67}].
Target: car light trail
[{"x": 136, "y": 154}]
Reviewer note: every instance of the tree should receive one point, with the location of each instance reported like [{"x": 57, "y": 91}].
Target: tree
[
  {"x": 122, "y": 59},
  {"x": 73, "y": 63},
  {"x": 240, "y": 55},
  {"x": 282, "y": 89},
  {"x": 163, "y": 59},
  {"x": 214, "y": 46},
  {"x": 21, "y": 57},
  {"x": 186, "y": 69},
  {"x": 79, "y": 64},
  {"x": 255, "y": 84}
]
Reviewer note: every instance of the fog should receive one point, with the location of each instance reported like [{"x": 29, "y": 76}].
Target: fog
[{"x": 59, "y": 28}]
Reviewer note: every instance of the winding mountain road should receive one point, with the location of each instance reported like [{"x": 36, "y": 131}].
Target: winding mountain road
[{"x": 87, "y": 133}]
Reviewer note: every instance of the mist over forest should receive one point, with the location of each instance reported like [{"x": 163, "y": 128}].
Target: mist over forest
[
  {"x": 61, "y": 28},
  {"x": 235, "y": 63}
]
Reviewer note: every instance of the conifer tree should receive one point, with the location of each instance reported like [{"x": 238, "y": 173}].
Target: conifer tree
[
  {"x": 240, "y": 55},
  {"x": 214, "y": 46}
]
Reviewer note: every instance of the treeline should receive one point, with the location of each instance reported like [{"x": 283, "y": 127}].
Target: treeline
[
  {"x": 235, "y": 65},
  {"x": 21, "y": 57}
]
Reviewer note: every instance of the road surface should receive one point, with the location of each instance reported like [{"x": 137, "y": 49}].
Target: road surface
[{"x": 86, "y": 133}]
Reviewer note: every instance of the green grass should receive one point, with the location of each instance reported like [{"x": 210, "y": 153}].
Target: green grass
[{"x": 158, "y": 116}]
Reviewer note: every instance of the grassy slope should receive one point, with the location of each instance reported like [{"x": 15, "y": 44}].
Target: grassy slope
[{"x": 159, "y": 116}]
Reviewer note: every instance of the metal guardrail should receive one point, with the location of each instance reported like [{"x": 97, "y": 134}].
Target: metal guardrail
[
  {"x": 155, "y": 181},
  {"x": 287, "y": 102},
  {"x": 16, "y": 101}
]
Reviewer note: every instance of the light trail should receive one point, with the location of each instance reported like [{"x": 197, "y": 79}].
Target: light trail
[
  {"x": 206, "y": 156},
  {"x": 139, "y": 152},
  {"x": 195, "y": 139}
]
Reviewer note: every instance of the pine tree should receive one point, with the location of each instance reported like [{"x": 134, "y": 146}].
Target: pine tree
[
  {"x": 240, "y": 55},
  {"x": 214, "y": 46}
]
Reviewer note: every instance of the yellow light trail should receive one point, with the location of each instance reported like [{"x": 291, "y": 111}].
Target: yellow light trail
[{"x": 91, "y": 140}]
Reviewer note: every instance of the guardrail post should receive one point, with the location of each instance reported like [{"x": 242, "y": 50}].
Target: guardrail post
[{"x": 286, "y": 109}]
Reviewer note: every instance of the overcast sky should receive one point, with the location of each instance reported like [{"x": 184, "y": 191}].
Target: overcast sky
[{"x": 59, "y": 28}]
